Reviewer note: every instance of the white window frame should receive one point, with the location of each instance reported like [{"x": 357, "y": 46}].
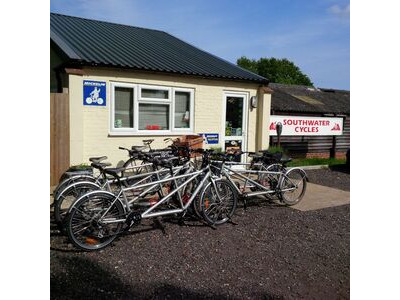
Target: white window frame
[
  {"x": 138, "y": 99},
  {"x": 191, "y": 112},
  {"x": 113, "y": 129},
  {"x": 244, "y": 137}
]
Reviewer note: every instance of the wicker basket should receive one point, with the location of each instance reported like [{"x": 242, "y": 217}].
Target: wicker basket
[{"x": 191, "y": 141}]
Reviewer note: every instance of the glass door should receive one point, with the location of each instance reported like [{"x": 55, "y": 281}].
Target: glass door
[{"x": 235, "y": 122}]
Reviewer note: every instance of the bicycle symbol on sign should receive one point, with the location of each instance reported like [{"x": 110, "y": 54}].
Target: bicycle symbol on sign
[{"x": 95, "y": 97}]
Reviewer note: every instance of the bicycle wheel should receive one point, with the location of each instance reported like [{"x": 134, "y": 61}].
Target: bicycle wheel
[
  {"x": 68, "y": 196},
  {"x": 272, "y": 179},
  {"x": 90, "y": 224},
  {"x": 218, "y": 203},
  {"x": 293, "y": 186}
]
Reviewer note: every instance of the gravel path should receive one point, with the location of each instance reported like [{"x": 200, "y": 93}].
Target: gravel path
[
  {"x": 273, "y": 252},
  {"x": 336, "y": 177}
]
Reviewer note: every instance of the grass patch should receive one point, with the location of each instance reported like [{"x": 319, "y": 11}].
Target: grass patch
[{"x": 316, "y": 161}]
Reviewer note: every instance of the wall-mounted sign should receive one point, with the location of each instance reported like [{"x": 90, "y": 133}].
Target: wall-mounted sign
[
  {"x": 299, "y": 125},
  {"x": 210, "y": 138},
  {"x": 94, "y": 93}
]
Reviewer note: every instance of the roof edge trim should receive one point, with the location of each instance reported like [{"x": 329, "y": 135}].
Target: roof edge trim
[{"x": 63, "y": 46}]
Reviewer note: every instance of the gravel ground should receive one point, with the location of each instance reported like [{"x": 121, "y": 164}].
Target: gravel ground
[
  {"x": 273, "y": 252},
  {"x": 336, "y": 177}
]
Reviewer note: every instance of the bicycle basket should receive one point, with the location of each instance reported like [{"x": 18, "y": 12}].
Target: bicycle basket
[{"x": 190, "y": 141}]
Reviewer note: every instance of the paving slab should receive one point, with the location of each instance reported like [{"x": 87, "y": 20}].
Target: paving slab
[{"x": 319, "y": 196}]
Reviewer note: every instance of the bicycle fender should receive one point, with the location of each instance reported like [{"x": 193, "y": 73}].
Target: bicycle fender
[
  {"x": 93, "y": 184},
  {"x": 56, "y": 190}
]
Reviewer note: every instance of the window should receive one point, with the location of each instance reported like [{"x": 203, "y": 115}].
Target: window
[
  {"x": 123, "y": 113},
  {"x": 154, "y": 94},
  {"x": 182, "y": 109},
  {"x": 153, "y": 117},
  {"x": 150, "y": 109}
]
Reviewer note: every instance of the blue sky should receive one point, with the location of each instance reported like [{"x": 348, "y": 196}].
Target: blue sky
[{"x": 314, "y": 34}]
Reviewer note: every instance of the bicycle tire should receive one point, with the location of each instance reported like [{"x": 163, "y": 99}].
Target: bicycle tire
[
  {"x": 68, "y": 196},
  {"x": 215, "y": 213},
  {"x": 294, "y": 178},
  {"x": 83, "y": 226}
]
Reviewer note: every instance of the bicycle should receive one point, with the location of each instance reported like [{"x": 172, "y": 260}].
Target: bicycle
[
  {"x": 71, "y": 192},
  {"x": 85, "y": 173},
  {"x": 271, "y": 179},
  {"x": 96, "y": 218}
]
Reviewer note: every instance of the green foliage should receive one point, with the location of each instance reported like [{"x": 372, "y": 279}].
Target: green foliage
[
  {"x": 276, "y": 70},
  {"x": 275, "y": 149},
  {"x": 316, "y": 161},
  {"x": 216, "y": 149},
  {"x": 248, "y": 64},
  {"x": 81, "y": 166}
]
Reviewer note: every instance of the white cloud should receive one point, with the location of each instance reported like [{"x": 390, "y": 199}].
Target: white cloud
[{"x": 342, "y": 11}]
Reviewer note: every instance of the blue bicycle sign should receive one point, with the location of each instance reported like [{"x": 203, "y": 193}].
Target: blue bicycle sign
[{"x": 94, "y": 93}]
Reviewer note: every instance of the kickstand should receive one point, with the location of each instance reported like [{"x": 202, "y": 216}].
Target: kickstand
[
  {"x": 160, "y": 225},
  {"x": 245, "y": 204}
]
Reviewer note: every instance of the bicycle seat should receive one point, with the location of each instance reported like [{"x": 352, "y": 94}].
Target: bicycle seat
[
  {"x": 100, "y": 165},
  {"x": 97, "y": 159},
  {"x": 285, "y": 160},
  {"x": 166, "y": 162},
  {"x": 114, "y": 171},
  {"x": 138, "y": 148},
  {"x": 263, "y": 151},
  {"x": 149, "y": 141}
]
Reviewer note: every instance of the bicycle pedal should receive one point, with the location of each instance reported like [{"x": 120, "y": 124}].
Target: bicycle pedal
[{"x": 134, "y": 218}]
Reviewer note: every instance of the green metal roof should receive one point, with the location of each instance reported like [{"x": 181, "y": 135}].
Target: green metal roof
[{"x": 99, "y": 43}]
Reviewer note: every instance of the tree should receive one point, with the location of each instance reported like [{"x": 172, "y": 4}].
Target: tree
[{"x": 275, "y": 70}]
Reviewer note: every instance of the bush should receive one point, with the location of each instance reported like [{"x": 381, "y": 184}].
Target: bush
[
  {"x": 82, "y": 166},
  {"x": 275, "y": 149},
  {"x": 216, "y": 149}
]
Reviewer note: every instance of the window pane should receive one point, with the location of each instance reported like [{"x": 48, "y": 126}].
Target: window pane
[
  {"x": 153, "y": 117},
  {"x": 234, "y": 116},
  {"x": 182, "y": 110},
  {"x": 158, "y": 94},
  {"x": 123, "y": 117}
]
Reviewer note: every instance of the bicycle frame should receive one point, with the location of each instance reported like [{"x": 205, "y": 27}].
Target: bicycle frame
[
  {"x": 227, "y": 171},
  {"x": 149, "y": 212},
  {"x": 101, "y": 181}
]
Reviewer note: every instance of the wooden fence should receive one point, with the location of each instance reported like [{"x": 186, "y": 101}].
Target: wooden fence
[{"x": 59, "y": 136}]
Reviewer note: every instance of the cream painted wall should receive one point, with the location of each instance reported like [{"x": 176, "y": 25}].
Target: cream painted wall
[
  {"x": 90, "y": 136},
  {"x": 263, "y": 120}
]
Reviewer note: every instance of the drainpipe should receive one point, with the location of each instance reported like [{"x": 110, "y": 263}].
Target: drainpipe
[{"x": 58, "y": 71}]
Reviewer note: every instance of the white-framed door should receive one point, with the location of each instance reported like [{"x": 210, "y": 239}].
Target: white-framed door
[{"x": 234, "y": 121}]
